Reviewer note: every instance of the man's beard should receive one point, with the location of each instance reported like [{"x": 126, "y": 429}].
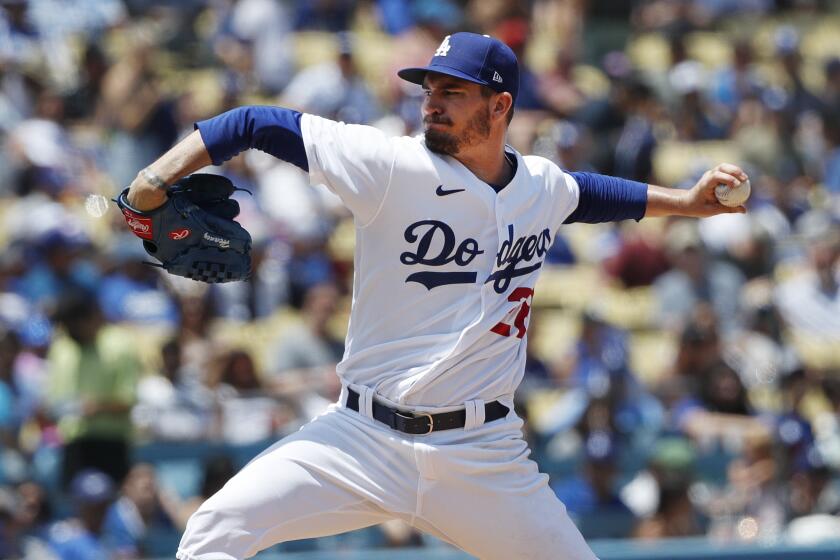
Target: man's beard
[{"x": 477, "y": 129}]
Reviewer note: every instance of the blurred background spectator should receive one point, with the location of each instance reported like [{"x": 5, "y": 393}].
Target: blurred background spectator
[
  {"x": 140, "y": 508},
  {"x": 82, "y": 534},
  {"x": 683, "y": 379},
  {"x": 91, "y": 387}
]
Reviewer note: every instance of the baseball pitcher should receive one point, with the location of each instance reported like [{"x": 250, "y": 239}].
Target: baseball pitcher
[{"x": 452, "y": 229}]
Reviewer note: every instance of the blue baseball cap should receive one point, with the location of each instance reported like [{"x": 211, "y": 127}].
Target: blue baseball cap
[
  {"x": 480, "y": 59},
  {"x": 91, "y": 486}
]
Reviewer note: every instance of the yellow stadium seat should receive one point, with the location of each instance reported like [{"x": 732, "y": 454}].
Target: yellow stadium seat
[
  {"x": 631, "y": 309},
  {"x": 674, "y": 162},
  {"x": 572, "y": 287},
  {"x": 714, "y": 50},
  {"x": 817, "y": 352},
  {"x": 650, "y": 52},
  {"x": 342, "y": 242},
  {"x": 253, "y": 336},
  {"x": 591, "y": 81},
  {"x": 314, "y": 47},
  {"x": 552, "y": 333},
  {"x": 651, "y": 353},
  {"x": 540, "y": 404}
]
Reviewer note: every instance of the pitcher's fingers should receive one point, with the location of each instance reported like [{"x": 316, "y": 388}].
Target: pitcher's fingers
[
  {"x": 718, "y": 177},
  {"x": 733, "y": 169}
]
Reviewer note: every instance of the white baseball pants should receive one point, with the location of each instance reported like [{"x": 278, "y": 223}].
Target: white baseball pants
[{"x": 474, "y": 488}]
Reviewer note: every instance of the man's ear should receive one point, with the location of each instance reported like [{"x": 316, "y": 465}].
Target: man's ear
[{"x": 502, "y": 104}]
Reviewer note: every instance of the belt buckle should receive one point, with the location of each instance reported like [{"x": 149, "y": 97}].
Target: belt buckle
[{"x": 431, "y": 421}]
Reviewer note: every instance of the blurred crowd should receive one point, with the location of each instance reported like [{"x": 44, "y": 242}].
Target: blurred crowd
[{"x": 683, "y": 377}]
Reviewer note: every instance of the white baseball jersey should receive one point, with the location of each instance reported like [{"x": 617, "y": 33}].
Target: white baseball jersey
[{"x": 445, "y": 266}]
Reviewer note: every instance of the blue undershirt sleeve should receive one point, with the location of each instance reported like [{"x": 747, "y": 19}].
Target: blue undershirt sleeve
[
  {"x": 608, "y": 199},
  {"x": 273, "y": 130}
]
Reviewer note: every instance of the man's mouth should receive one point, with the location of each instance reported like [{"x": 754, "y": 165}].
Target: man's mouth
[{"x": 429, "y": 121}]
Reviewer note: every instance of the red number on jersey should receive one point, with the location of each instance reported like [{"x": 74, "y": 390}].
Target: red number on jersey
[{"x": 522, "y": 295}]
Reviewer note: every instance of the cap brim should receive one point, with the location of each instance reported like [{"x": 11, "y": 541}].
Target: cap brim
[{"x": 417, "y": 75}]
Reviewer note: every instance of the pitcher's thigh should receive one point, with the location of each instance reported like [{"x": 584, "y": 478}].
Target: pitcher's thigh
[
  {"x": 501, "y": 526},
  {"x": 289, "y": 492}
]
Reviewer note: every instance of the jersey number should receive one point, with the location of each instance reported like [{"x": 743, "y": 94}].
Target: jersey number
[{"x": 521, "y": 296}]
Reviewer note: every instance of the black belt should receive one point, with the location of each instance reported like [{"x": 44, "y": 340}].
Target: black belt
[{"x": 420, "y": 423}]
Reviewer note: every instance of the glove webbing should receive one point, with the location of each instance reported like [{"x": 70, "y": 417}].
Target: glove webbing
[{"x": 209, "y": 272}]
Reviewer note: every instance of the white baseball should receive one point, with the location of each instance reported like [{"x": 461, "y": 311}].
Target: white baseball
[
  {"x": 733, "y": 196},
  {"x": 96, "y": 205}
]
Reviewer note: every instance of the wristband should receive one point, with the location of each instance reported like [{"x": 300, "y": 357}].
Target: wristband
[{"x": 153, "y": 179}]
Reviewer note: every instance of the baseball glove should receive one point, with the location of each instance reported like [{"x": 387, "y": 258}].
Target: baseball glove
[{"x": 193, "y": 233}]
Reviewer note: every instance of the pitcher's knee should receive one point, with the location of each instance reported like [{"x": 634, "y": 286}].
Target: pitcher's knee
[{"x": 216, "y": 532}]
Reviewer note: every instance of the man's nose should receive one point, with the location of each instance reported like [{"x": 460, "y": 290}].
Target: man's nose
[{"x": 432, "y": 105}]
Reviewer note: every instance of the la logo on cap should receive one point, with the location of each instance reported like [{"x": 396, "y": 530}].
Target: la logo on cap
[{"x": 444, "y": 47}]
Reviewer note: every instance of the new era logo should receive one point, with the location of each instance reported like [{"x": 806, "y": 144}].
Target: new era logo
[
  {"x": 497, "y": 77},
  {"x": 444, "y": 47}
]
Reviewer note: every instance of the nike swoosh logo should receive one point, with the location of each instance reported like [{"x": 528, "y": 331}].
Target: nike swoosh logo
[{"x": 441, "y": 192}]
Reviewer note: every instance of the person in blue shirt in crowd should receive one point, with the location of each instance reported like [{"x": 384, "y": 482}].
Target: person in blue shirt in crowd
[
  {"x": 140, "y": 509},
  {"x": 9, "y": 416},
  {"x": 592, "y": 497},
  {"x": 80, "y": 537}
]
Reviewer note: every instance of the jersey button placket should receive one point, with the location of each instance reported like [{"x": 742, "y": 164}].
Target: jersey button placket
[{"x": 501, "y": 229}]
